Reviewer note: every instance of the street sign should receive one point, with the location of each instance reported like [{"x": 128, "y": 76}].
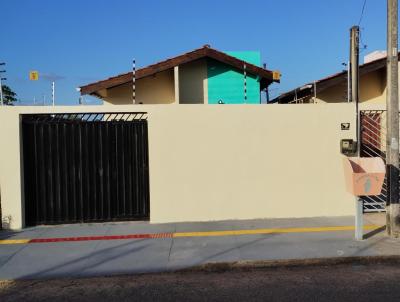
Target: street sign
[{"x": 33, "y": 75}]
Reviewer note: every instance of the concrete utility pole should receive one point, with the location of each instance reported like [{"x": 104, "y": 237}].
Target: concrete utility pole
[
  {"x": 354, "y": 75},
  {"x": 353, "y": 95},
  {"x": 354, "y": 62},
  {"x": 392, "y": 140}
]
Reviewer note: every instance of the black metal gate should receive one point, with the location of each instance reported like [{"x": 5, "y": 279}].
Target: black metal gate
[
  {"x": 373, "y": 144},
  {"x": 85, "y": 167}
]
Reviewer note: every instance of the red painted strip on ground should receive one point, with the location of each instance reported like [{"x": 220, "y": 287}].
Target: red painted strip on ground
[
  {"x": 109, "y": 237},
  {"x": 161, "y": 235}
]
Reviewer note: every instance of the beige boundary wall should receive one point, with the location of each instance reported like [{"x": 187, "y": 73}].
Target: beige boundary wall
[{"x": 220, "y": 162}]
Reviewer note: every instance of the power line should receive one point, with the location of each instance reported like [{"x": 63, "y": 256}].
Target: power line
[{"x": 362, "y": 12}]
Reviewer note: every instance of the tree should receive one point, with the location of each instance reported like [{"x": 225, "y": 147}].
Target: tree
[{"x": 9, "y": 96}]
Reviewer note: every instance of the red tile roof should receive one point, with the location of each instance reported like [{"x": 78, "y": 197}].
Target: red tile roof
[{"x": 206, "y": 51}]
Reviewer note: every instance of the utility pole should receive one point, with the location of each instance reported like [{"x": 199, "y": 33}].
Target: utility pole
[
  {"x": 354, "y": 54},
  {"x": 392, "y": 140},
  {"x": 353, "y": 94},
  {"x": 354, "y": 74}
]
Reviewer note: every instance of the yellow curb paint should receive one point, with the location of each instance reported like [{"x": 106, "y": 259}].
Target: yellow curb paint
[
  {"x": 270, "y": 231},
  {"x": 239, "y": 232},
  {"x": 14, "y": 241}
]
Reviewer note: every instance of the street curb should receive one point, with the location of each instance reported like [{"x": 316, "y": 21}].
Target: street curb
[
  {"x": 243, "y": 266},
  {"x": 215, "y": 267}
]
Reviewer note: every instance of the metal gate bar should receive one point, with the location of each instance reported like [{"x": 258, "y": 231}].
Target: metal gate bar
[
  {"x": 85, "y": 167},
  {"x": 373, "y": 144}
]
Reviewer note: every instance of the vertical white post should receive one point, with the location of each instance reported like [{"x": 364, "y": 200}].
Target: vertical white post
[
  {"x": 53, "y": 93},
  {"x": 1, "y": 92},
  {"x": 134, "y": 81},
  {"x": 176, "y": 84},
  {"x": 315, "y": 92},
  {"x": 245, "y": 83},
  {"x": 359, "y": 219},
  {"x": 348, "y": 81}
]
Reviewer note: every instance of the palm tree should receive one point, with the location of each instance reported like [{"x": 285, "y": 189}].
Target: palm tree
[{"x": 9, "y": 96}]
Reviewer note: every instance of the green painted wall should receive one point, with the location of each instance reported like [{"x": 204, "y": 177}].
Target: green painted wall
[{"x": 226, "y": 83}]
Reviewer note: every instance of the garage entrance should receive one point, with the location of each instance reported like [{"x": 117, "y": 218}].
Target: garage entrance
[{"x": 85, "y": 167}]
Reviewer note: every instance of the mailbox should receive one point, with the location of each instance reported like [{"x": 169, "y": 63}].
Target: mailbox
[{"x": 364, "y": 175}]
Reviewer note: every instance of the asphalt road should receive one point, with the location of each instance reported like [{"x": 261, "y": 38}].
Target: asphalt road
[{"x": 378, "y": 282}]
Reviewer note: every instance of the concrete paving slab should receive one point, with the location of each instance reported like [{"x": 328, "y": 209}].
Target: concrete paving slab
[
  {"x": 47, "y": 260},
  {"x": 262, "y": 224},
  {"x": 8, "y": 251},
  {"x": 140, "y": 228},
  {"x": 186, "y": 252},
  {"x": 75, "y": 230},
  {"x": 206, "y": 227},
  {"x": 128, "y": 256},
  {"x": 303, "y": 246},
  {"x": 292, "y": 222},
  {"x": 22, "y": 234}
]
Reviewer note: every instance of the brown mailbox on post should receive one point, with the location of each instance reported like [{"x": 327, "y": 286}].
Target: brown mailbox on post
[{"x": 364, "y": 175}]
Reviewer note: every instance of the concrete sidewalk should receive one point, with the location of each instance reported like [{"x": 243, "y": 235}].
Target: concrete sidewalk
[{"x": 252, "y": 240}]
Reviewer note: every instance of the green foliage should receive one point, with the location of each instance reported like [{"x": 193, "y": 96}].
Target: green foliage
[{"x": 9, "y": 96}]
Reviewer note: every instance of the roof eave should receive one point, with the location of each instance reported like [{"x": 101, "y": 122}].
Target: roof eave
[
  {"x": 270, "y": 76},
  {"x": 330, "y": 81}
]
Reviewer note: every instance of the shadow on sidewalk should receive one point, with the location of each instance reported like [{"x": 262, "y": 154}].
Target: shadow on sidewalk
[{"x": 374, "y": 232}]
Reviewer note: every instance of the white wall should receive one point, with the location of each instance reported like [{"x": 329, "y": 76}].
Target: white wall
[{"x": 221, "y": 162}]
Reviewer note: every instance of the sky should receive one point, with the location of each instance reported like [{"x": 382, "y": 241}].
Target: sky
[{"x": 78, "y": 42}]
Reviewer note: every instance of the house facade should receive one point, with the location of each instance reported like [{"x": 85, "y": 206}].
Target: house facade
[
  {"x": 334, "y": 89},
  {"x": 202, "y": 76}
]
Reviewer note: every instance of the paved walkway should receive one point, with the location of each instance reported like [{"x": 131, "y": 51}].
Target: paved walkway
[{"x": 137, "y": 247}]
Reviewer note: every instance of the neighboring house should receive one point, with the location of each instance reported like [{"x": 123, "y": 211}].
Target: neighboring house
[
  {"x": 202, "y": 76},
  {"x": 334, "y": 89}
]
